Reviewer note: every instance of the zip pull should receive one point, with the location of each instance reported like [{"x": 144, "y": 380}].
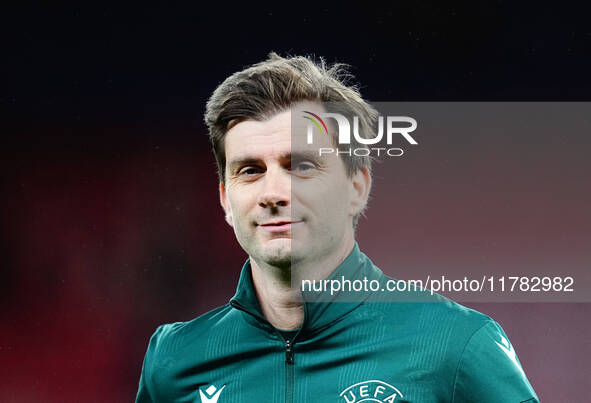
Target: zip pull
[{"x": 288, "y": 352}]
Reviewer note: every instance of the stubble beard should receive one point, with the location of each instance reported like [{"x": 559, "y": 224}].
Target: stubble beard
[
  {"x": 278, "y": 256},
  {"x": 276, "y": 253}
]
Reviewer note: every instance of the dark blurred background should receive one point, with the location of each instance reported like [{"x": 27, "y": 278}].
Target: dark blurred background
[{"x": 111, "y": 221}]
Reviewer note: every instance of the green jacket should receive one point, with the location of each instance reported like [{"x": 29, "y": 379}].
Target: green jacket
[{"x": 366, "y": 348}]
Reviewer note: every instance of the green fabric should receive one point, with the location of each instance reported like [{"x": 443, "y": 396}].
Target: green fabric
[{"x": 350, "y": 349}]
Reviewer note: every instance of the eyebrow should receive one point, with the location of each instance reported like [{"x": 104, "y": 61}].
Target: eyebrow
[{"x": 251, "y": 160}]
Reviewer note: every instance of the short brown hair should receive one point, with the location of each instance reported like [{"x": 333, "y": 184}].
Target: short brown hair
[{"x": 272, "y": 86}]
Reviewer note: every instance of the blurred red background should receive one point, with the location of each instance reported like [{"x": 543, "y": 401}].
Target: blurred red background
[{"x": 111, "y": 220}]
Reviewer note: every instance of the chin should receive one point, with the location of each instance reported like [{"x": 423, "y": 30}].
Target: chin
[{"x": 277, "y": 252}]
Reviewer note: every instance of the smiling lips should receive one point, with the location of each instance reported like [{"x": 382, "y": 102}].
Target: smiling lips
[{"x": 279, "y": 226}]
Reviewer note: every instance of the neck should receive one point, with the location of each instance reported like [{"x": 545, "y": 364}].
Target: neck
[{"x": 278, "y": 289}]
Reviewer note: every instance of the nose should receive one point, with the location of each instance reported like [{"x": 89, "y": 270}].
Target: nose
[{"x": 276, "y": 189}]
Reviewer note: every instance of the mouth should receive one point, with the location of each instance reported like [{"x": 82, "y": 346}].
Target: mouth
[{"x": 279, "y": 226}]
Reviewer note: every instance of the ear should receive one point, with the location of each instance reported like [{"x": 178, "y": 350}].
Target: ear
[
  {"x": 360, "y": 187},
  {"x": 225, "y": 205}
]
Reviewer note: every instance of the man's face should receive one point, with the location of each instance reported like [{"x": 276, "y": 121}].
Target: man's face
[{"x": 284, "y": 201}]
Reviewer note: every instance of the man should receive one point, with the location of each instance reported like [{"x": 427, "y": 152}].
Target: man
[{"x": 294, "y": 211}]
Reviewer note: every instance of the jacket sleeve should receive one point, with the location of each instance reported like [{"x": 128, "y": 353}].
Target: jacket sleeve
[
  {"x": 145, "y": 393},
  {"x": 489, "y": 370}
]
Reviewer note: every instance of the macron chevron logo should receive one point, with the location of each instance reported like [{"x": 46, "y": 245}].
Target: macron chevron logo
[
  {"x": 510, "y": 351},
  {"x": 211, "y": 395}
]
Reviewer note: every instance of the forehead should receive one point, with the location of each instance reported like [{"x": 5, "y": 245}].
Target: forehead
[
  {"x": 280, "y": 134},
  {"x": 251, "y": 135}
]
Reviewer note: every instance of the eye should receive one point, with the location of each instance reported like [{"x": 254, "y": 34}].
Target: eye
[
  {"x": 302, "y": 166},
  {"x": 249, "y": 171}
]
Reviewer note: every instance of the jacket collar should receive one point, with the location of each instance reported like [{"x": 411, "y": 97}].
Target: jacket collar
[{"x": 321, "y": 309}]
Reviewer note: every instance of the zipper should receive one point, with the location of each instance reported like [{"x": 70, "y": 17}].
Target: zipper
[
  {"x": 289, "y": 351},
  {"x": 289, "y": 370},
  {"x": 289, "y": 360}
]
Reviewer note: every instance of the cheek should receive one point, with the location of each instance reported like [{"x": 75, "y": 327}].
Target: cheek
[
  {"x": 240, "y": 203},
  {"x": 234, "y": 206},
  {"x": 328, "y": 202}
]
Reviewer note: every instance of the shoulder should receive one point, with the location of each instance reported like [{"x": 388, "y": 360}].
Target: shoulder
[
  {"x": 467, "y": 345},
  {"x": 438, "y": 321},
  {"x": 171, "y": 338},
  {"x": 489, "y": 369},
  {"x": 427, "y": 323},
  {"x": 175, "y": 348},
  {"x": 423, "y": 310}
]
